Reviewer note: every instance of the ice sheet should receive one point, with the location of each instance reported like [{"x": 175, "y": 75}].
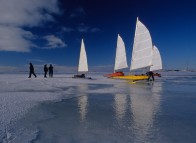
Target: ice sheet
[{"x": 33, "y": 109}]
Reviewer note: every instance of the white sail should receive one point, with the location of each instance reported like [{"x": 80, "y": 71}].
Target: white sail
[
  {"x": 83, "y": 65},
  {"x": 120, "y": 60},
  {"x": 156, "y": 60},
  {"x": 142, "y": 47}
]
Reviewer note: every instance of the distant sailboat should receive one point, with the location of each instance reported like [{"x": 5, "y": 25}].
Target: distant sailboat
[
  {"x": 120, "y": 59},
  {"x": 83, "y": 64},
  {"x": 156, "y": 60},
  {"x": 142, "y": 52}
]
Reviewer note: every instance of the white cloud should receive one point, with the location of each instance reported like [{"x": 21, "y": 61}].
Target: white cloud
[
  {"x": 54, "y": 42},
  {"x": 15, "y": 39},
  {"x": 26, "y": 12},
  {"x": 15, "y": 14}
]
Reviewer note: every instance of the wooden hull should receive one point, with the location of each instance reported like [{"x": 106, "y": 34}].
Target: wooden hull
[
  {"x": 114, "y": 74},
  {"x": 132, "y": 77}
]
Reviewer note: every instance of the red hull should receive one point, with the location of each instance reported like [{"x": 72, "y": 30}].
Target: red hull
[
  {"x": 114, "y": 74},
  {"x": 157, "y": 74}
]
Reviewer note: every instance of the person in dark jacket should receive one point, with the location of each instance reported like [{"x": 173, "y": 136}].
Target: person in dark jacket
[
  {"x": 150, "y": 75},
  {"x": 50, "y": 70},
  {"x": 31, "y": 68},
  {"x": 45, "y": 70}
]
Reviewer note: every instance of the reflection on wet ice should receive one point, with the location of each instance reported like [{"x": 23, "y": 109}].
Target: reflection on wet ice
[
  {"x": 144, "y": 106},
  {"x": 83, "y": 101},
  {"x": 120, "y": 106}
]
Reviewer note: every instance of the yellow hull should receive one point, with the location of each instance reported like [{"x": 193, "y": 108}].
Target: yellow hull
[{"x": 132, "y": 77}]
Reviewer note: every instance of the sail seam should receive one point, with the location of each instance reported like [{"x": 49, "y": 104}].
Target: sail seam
[
  {"x": 141, "y": 50},
  {"x": 140, "y": 67},
  {"x": 149, "y": 39},
  {"x": 142, "y": 33},
  {"x": 141, "y": 58}
]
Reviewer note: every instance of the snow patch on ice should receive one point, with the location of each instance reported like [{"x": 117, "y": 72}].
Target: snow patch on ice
[{"x": 19, "y": 93}]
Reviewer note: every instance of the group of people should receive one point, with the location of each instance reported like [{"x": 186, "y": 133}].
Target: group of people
[{"x": 46, "y": 70}]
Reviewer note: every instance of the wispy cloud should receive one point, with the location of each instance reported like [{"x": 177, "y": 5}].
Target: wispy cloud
[
  {"x": 54, "y": 42},
  {"x": 78, "y": 12},
  {"x": 67, "y": 29},
  {"x": 12, "y": 69},
  {"x": 38, "y": 65},
  {"x": 82, "y": 28},
  {"x": 94, "y": 30},
  {"x": 36, "y": 60},
  {"x": 14, "y": 15}
]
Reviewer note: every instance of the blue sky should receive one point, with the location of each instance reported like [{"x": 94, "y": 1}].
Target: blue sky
[{"x": 50, "y": 31}]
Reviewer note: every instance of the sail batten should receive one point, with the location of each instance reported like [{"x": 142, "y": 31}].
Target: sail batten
[
  {"x": 120, "y": 60},
  {"x": 142, "y": 47},
  {"x": 83, "y": 64}
]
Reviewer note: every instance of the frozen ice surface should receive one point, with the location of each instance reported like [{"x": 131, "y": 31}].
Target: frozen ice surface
[{"x": 67, "y": 110}]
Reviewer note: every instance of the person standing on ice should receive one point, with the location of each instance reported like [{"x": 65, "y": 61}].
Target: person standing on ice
[
  {"x": 45, "y": 70},
  {"x": 50, "y": 70},
  {"x": 31, "y": 68},
  {"x": 150, "y": 75}
]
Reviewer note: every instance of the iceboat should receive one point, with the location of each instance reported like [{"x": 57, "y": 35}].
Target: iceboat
[
  {"x": 141, "y": 54},
  {"x": 156, "y": 66},
  {"x": 120, "y": 59},
  {"x": 83, "y": 64}
]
